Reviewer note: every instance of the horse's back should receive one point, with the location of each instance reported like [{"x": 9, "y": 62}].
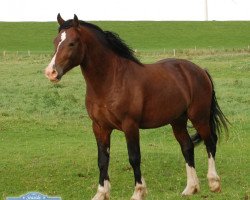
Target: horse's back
[
  {"x": 186, "y": 72},
  {"x": 189, "y": 76},
  {"x": 173, "y": 86}
]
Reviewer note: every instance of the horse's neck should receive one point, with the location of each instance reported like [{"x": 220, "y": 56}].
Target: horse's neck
[
  {"x": 98, "y": 72},
  {"x": 99, "y": 68}
]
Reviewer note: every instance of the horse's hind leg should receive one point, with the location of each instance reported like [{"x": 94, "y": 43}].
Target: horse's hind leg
[
  {"x": 181, "y": 134},
  {"x": 210, "y": 140}
]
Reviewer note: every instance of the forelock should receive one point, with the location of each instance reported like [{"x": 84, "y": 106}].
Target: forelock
[{"x": 66, "y": 25}]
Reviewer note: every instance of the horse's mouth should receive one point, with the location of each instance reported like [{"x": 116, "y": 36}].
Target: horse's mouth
[
  {"x": 52, "y": 75},
  {"x": 55, "y": 80}
]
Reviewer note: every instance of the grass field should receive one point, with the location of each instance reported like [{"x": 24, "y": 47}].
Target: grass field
[
  {"x": 145, "y": 36},
  {"x": 46, "y": 142}
]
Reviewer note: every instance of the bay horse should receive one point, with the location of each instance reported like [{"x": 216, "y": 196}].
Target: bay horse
[{"x": 123, "y": 93}]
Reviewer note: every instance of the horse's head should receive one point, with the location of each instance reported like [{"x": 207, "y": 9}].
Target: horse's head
[{"x": 69, "y": 49}]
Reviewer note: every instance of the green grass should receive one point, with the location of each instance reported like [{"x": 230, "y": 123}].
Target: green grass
[
  {"x": 46, "y": 141},
  {"x": 139, "y": 35},
  {"x": 47, "y": 144}
]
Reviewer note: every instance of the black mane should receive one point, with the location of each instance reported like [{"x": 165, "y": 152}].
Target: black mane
[{"x": 113, "y": 41}]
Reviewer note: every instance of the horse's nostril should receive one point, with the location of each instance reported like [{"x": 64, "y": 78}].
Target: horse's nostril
[{"x": 54, "y": 73}]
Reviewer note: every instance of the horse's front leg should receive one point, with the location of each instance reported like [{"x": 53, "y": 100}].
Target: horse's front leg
[
  {"x": 133, "y": 144},
  {"x": 103, "y": 143}
]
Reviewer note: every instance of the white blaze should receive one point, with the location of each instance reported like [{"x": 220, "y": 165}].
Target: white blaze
[{"x": 52, "y": 62}]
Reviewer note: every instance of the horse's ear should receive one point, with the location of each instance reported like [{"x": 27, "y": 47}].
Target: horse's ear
[
  {"x": 75, "y": 21},
  {"x": 60, "y": 20}
]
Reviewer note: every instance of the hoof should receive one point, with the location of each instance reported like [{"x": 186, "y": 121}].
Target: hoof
[
  {"x": 190, "y": 190},
  {"x": 140, "y": 192},
  {"x": 192, "y": 182},
  {"x": 214, "y": 184},
  {"x": 103, "y": 192},
  {"x": 99, "y": 196},
  {"x": 212, "y": 176}
]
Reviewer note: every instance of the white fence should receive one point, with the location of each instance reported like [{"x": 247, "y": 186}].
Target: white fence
[{"x": 147, "y": 53}]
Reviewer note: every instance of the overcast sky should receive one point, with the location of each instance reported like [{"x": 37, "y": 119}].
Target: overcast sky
[{"x": 166, "y": 10}]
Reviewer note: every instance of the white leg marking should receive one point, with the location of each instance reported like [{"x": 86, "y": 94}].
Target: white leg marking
[
  {"x": 52, "y": 62},
  {"x": 192, "y": 181},
  {"x": 212, "y": 176},
  {"x": 140, "y": 191},
  {"x": 103, "y": 192}
]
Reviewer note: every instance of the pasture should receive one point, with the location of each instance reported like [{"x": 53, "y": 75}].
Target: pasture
[{"x": 46, "y": 141}]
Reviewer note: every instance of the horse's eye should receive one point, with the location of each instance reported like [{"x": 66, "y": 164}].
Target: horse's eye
[{"x": 71, "y": 44}]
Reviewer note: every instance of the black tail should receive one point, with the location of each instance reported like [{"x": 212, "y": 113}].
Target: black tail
[{"x": 218, "y": 120}]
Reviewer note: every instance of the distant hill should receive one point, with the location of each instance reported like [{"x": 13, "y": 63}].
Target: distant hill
[{"x": 147, "y": 36}]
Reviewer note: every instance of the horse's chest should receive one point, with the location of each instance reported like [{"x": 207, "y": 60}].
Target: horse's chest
[{"x": 106, "y": 114}]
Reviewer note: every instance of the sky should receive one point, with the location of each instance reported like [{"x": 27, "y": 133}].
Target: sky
[{"x": 125, "y": 10}]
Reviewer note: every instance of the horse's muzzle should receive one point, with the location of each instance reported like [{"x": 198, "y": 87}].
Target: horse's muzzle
[{"x": 52, "y": 75}]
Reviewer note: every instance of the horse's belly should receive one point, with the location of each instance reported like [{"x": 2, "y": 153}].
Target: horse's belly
[
  {"x": 160, "y": 113},
  {"x": 153, "y": 121}
]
